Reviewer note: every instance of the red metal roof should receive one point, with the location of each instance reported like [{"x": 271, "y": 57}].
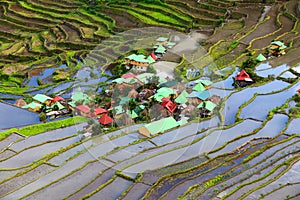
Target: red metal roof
[
  {"x": 242, "y": 76},
  {"x": 83, "y": 108},
  {"x": 153, "y": 56},
  {"x": 298, "y": 91},
  {"x": 128, "y": 75},
  {"x": 169, "y": 105},
  {"x": 105, "y": 119},
  {"x": 57, "y": 98},
  {"x": 99, "y": 111}
]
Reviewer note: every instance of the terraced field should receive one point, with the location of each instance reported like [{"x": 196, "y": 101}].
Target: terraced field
[{"x": 249, "y": 150}]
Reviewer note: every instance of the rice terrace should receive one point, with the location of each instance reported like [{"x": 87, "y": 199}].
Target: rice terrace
[{"x": 149, "y": 99}]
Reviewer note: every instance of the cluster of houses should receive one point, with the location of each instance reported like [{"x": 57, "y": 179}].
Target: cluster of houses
[
  {"x": 53, "y": 107},
  {"x": 140, "y": 63},
  {"x": 276, "y": 48},
  {"x": 138, "y": 96},
  {"x": 174, "y": 105}
]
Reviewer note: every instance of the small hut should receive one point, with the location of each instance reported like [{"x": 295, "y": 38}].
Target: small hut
[
  {"x": 243, "y": 79},
  {"x": 20, "y": 103},
  {"x": 133, "y": 94}
]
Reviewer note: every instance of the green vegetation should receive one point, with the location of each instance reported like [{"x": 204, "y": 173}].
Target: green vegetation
[{"x": 41, "y": 128}]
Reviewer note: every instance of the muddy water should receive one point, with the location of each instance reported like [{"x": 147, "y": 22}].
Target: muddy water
[{"x": 16, "y": 117}]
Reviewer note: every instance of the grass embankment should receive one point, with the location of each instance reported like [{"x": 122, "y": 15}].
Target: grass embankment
[{"x": 40, "y": 128}]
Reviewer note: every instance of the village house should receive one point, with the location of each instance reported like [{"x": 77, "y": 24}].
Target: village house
[
  {"x": 243, "y": 79},
  {"x": 83, "y": 110},
  {"x": 80, "y": 98},
  {"x": 99, "y": 112},
  {"x": 196, "y": 97},
  {"x": 105, "y": 120},
  {"x": 33, "y": 106},
  {"x": 139, "y": 63},
  {"x": 160, "y": 51},
  {"x": 182, "y": 98},
  {"x": 277, "y": 48},
  {"x": 206, "y": 108},
  {"x": 260, "y": 58},
  {"x": 42, "y": 99},
  {"x": 162, "y": 41},
  {"x": 169, "y": 105},
  {"x": 159, "y": 126}
]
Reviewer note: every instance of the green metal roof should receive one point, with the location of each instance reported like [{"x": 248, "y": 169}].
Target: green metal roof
[
  {"x": 124, "y": 100},
  {"x": 203, "y": 95},
  {"x": 150, "y": 60},
  {"x": 161, "y": 39},
  {"x": 278, "y": 43},
  {"x": 80, "y": 96},
  {"x": 138, "y": 58},
  {"x": 130, "y": 80},
  {"x": 207, "y": 105},
  {"x": 165, "y": 91},
  {"x": 132, "y": 114},
  {"x": 162, "y": 125},
  {"x": 32, "y": 105},
  {"x": 41, "y": 98},
  {"x": 204, "y": 82},
  {"x": 131, "y": 57},
  {"x": 60, "y": 107},
  {"x": 260, "y": 58},
  {"x": 160, "y": 49},
  {"x": 119, "y": 80},
  {"x": 169, "y": 83},
  {"x": 199, "y": 87},
  {"x": 72, "y": 104},
  {"x": 182, "y": 98},
  {"x": 182, "y": 122},
  {"x": 119, "y": 110}
]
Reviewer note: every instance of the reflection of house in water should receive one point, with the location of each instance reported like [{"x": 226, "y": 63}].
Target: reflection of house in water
[
  {"x": 12, "y": 116},
  {"x": 192, "y": 73}
]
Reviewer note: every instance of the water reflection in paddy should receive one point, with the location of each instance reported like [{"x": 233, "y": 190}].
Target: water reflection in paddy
[
  {"x": 236, "y": 99},
  {"x": 16, "y": 117},
  {"x": 262, "y": 104}
]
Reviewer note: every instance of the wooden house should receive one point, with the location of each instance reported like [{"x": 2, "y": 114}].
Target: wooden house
[
  {"x": 83, "y": 110},
  {"x": 277, "y": 48},
  {"x": 162, "y": 41},
  {"x": 33, "y": 106},
  {"x": 42, "y": 99},
  {"x": 105, "y": 120}
]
